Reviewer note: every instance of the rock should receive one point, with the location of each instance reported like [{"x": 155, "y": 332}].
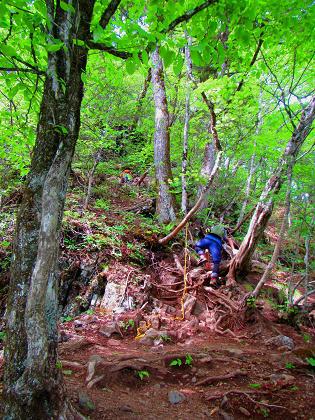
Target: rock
[
  {"x": 176, "y": 397},
  {"x": 113, "y": 343},
  {"x": 86, "y": 402},
  {"x": 77, "y": 323},
  {"x": 199, "y": 308},
  {"x": 110, "y": 328},
  {"x": 126, "y": 408},
  {"x": 281, "y": 341},
  {"x": 224, "y": 401},
  {"x": 151, "y": 337},
  {"x": 194, "y": 380},
  {"x": 225, "y": 415},
  {"x": 114, "y": 295},
  {"x": 282, "y": 378},
  {"x": 155, "y": 323},
  {"x": 244, "y": 411},
  {"x": 189, "y": 304},
  {"x": 94, "y": 360}
]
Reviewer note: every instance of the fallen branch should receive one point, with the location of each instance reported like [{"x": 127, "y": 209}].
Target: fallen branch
[{"x": 189, "y": 215}]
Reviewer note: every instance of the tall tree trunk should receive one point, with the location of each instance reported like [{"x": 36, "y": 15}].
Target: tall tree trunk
[
  {"x": 186, "y": 130},
  {"x": 33, "y": 384},
  {"x": 277, "y": 249},
  {"x": 165, "y": 205},
  {"x": 241, "y": 261}
]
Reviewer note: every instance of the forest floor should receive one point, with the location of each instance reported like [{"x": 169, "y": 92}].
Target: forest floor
[
  {"x": 219, "y": 377},
  {"x": 127, "y": 351}
]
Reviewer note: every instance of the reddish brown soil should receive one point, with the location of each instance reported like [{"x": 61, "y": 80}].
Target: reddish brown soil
[{"x": 120, "y": 393}]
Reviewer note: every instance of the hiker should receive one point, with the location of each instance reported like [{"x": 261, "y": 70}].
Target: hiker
[
  {"x": 126, "y": 177},
  {"x": 212, "y": 242}
]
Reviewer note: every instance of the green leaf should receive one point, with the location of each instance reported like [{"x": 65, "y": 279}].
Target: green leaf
[
  {"x": 178, "y": 65},
  {"x": 54, "y": 47},
  {"x": 67, "y": 7},
  {"x": 7, "y": 50},
  {"x": 14, "y": 90},
  {"x": 130, "y": 66},
  {"x": 67, "y": 372}
]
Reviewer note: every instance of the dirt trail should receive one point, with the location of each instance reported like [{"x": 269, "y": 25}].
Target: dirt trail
[{"x": 103, "y": 376}]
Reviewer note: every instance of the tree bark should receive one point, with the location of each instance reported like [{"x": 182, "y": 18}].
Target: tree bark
[
  {"x": 277, "y": 249},
  {"x": 165, "y": 206},
  {"x": 33, "y": 385},
  {"x": 248, "y": 187},
  {"x": 186, "y": 131},
  {"x": 263, "y": 211}
]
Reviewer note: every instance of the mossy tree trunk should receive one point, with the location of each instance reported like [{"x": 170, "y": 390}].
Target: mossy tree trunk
[
  {"x": 165, "y": 201},
  {"x": 33, "y": 383}
]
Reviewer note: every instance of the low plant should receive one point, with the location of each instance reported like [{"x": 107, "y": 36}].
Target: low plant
[
  {"x": 2, "y": 335},
  {"x": 289, "y": 365},
  {"x": 254, "y": 386},
  {"x": 178, "y": 361},
  {"x": 165, "y": 338},
  {"x": 251, "y": 302},
  {"x": 311, "y": 361},
  {"x": 67, "y": 318},
  {"x": 127, "y": 324},
  {"x": 143, "y": 374}
]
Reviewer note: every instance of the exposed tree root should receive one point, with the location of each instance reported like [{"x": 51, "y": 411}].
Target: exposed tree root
[{"x": 212, "y": 379}]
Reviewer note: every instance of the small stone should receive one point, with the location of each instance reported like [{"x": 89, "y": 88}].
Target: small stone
[
  {"x": 109, "y": 329},
  {"x": 244, "y": 411},
  {"x": 126, "y": 408},
  {"x": 86, "y": 402},
  {"x": 224, "y": 401},
  {"x": 280, "y": 341},
  {"x": 77, "y": 323},
  {"x": 194, "y": 380},
  {"x": 176, "y": 397},
  {"x": 225, "y": 416},
  {"x": 113, "y": 342}
]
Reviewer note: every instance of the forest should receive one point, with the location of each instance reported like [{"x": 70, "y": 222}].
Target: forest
[{"x": 157, "y": 209}]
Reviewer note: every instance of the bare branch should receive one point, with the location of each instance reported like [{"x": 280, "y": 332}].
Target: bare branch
[
  {"x": 22, "y": 70},
  {"x": 111, "y": 50},
  {"x": 188, "y": 15},
  {"x": 109, "y": 12}
]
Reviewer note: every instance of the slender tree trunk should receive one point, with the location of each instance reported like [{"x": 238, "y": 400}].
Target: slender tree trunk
[
  {"x": 263, "y": 211},
  {"x": 277, "y": 249},
  {"x": 186, "y": 131},
  {"x": 33, "y": 384},
  {"x": 248, "y": 186},
  {"x": 141, "y": 97},
  {"x": 90, "y": 181},
  {"x": 165, "y": 201}
]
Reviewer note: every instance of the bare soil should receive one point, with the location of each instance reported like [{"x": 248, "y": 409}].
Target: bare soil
[{"x": 268, "y": 382}]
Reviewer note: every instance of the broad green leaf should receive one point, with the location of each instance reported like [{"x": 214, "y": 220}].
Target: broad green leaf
[
  {"x": 67, "y": 7},
  {"x": 8, "y": 50}
]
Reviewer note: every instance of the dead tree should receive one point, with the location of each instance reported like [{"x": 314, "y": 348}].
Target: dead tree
[
  {"x": 279, "y": 243},
  {"x": 241, "y": 262}
]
